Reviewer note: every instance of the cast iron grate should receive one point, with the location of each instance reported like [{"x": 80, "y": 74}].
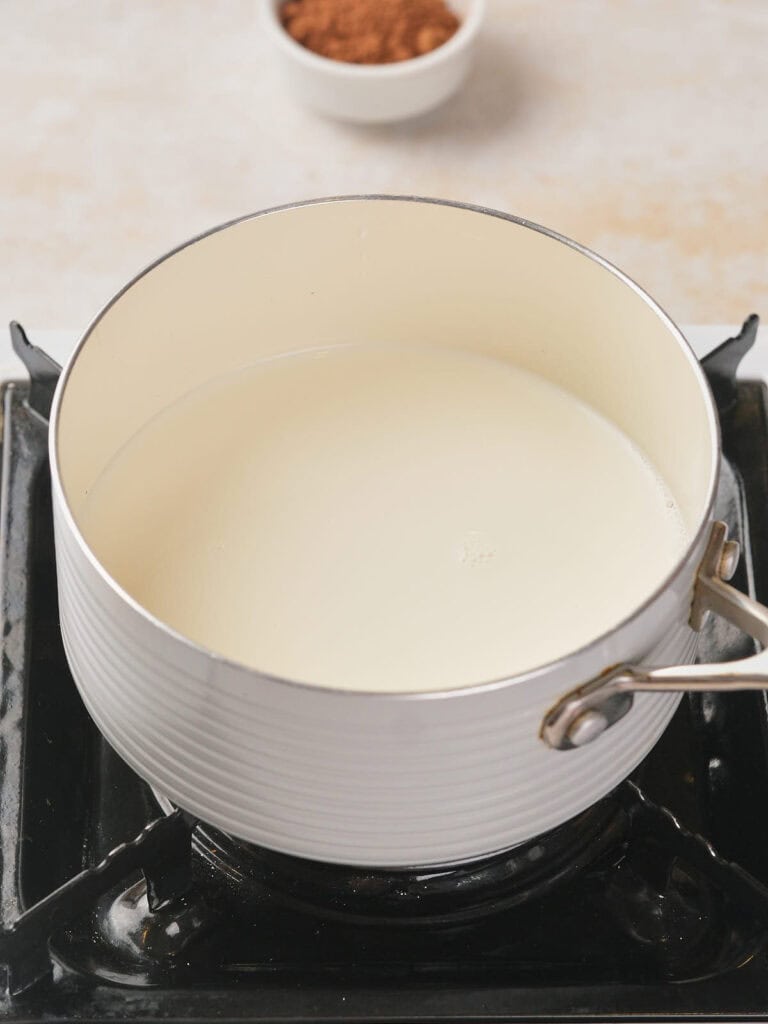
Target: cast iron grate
[{"x": 653, "y": 905}]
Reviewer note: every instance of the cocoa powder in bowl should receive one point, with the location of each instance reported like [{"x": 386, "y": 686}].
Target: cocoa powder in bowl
[{"x": 369, "y": 31}]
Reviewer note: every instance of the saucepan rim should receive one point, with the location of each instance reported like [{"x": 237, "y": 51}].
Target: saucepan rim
[{"x": 521, "y": 679}]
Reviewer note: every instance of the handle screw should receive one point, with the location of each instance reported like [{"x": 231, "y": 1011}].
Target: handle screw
[
  {"x": 587, "y": 727},
  {"x": 729, "y": 559}
]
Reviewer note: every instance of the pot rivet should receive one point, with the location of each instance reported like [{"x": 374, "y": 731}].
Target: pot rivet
[
  {"x": 729, "y": 559},
  {"x": 587, "y": 727}
]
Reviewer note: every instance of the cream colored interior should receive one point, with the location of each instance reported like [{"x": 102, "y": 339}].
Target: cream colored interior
[{"x": 384, "y": 271}]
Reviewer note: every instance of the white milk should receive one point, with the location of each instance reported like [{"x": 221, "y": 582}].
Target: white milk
[{"x": 384, "y": 518}]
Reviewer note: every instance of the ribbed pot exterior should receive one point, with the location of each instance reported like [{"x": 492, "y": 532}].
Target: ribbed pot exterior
[
  {"x": 366, "y": 779},
  {"x": 378, "y": 779}
]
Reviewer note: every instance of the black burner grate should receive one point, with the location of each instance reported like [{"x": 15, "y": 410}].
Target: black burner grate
[{"x": 625, "y": 912}]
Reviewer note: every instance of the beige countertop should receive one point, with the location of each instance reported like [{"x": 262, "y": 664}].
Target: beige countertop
[{"x": 637, "y": 127}]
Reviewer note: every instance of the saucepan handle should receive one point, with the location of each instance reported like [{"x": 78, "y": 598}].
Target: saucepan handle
[{"x": 583, "y": 714}]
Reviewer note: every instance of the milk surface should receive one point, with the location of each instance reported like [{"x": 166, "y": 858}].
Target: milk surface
[{"x": 384, "y": 518}]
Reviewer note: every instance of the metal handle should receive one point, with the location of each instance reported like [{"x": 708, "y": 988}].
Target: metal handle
[{"x": 585, "y": 713}]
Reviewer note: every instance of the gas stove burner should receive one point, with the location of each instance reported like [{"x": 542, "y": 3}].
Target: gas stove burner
[{"x": 427, "y": 897}]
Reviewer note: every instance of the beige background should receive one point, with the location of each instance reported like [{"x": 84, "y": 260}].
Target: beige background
[{"x": 638, "y": 127}]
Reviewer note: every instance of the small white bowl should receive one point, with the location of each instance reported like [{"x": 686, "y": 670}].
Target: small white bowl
[{"x": 376, "y": 93}]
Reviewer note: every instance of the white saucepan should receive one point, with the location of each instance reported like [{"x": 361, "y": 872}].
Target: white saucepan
[{"x": 389, "y": 779}]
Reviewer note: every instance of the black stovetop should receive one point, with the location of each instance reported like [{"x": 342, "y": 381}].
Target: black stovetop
[{"x": 651, "y": 905}]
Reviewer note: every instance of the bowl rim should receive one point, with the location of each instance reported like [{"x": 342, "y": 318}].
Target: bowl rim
[{"x": 460, "y": 40}]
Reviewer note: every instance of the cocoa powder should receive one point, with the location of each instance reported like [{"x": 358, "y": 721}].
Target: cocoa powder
[{"x": 369, "y": 31}]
